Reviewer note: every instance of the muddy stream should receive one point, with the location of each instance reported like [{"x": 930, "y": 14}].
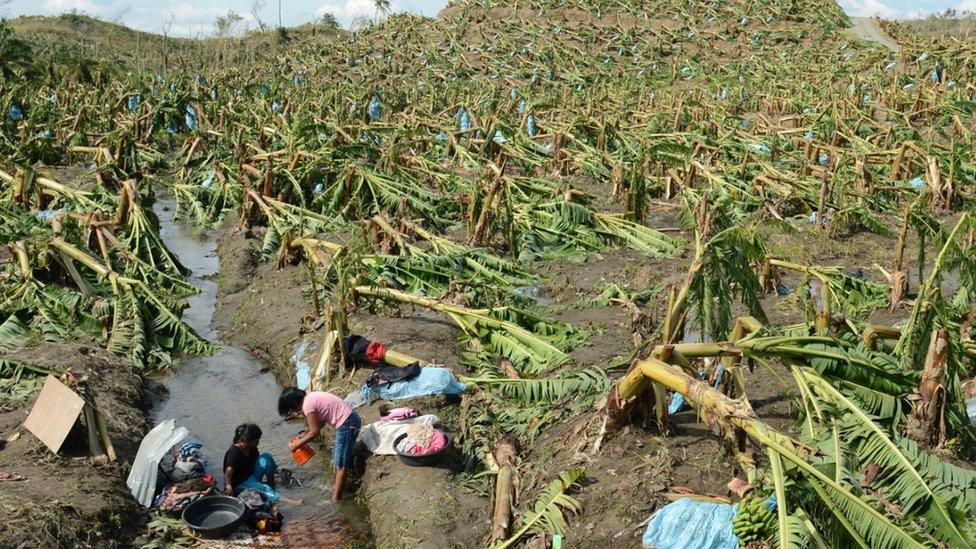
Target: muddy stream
[{"x": 212, "y": 395}]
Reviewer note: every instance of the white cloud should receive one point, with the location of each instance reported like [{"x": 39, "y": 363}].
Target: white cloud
[
  {"x": 882, "y": 8},
  {"x": 868, "y": 8},
  {"x": 348, "y": 10},
  {"x": 967, "y": 5},
  {"x": 60, "y": 6}
]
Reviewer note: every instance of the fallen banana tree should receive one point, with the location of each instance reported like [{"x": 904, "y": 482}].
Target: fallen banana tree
[
  {"x": 93, "y": 262},
  {"x": 818, "y": 481},
  {"x": 532, "y": 343}
]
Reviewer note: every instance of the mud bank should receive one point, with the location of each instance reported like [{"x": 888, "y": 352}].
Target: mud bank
[
  {"x": 264, "y": 309},
  {"x": 70, "y": 501}
]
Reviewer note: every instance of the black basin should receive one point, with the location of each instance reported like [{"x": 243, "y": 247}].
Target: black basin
[{"x": 214, "y": 517}]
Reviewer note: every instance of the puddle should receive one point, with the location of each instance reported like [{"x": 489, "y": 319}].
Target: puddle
[{"x": 212, "y": 395}]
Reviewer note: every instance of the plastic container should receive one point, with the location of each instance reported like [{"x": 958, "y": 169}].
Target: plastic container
[{"x": 302, "y": 454}]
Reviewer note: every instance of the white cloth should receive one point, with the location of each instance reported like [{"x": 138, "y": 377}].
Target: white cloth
[{"x": 379, "y": 436}]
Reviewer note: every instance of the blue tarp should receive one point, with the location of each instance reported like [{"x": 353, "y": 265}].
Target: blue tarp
[
  {"x": 687, "y": 523},
  {"x": 431, "y": 380}
]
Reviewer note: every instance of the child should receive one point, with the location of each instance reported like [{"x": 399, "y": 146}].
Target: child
[
  {"x": 321, "y": 408},
  {"x": 245, "y": 468}
]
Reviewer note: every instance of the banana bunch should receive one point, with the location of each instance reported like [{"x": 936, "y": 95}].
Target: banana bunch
[{"x": 753, "y": 522}]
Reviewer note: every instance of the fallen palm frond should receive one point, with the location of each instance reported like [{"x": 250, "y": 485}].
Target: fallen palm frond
[
  {"x": 847, "y": 294},
  {"x": 546, "y": 514},
  {"x": 20, "y": 379},
  {"x": 549, "y": 389},
  {"x": 533, "y": 344}
]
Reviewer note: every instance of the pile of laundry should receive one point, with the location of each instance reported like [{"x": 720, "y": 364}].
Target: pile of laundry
[
  {"x": 185, "y": 477},
  {"x": 422, "y": 440},
  {"x": 261, "y": 515}
]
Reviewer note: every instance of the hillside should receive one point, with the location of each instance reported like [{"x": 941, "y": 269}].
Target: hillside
[{"x": 71, "y": 38}]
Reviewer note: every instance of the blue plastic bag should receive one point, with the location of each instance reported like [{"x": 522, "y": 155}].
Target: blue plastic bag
[
  {"x": 759, "y": 148},
  {"x": 15, "y": 113},
  {"x": 190, "y": 118},
  {"x": 687, "y": 523},
  {"x": 530, "y": 126},
  {"x": 133, "y": 103},
  {"x": 374, "y": 109}
]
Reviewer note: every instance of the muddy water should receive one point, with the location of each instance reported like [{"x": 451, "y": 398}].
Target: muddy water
[{"x": 212, "y": 395}]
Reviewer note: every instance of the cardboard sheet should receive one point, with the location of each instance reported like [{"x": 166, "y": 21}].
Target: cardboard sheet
[{"x": 54, "y": 414}]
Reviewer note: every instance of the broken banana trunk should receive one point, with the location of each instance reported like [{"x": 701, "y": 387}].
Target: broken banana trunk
[
  {"x": 926, "y": 422},
  {"x": 505, "y": 455}
]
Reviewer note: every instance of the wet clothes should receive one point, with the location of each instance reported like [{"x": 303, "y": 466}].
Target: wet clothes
[
  {"x": 264, "y": 467},
  {"x": 242, "y": 463},
  {"x": 391, "y": 374}
]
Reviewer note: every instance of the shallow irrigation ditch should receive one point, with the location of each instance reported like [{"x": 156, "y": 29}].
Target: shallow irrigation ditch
[
  {"x": 706, "y": 263},
  {"x": 211, "y": 395}
]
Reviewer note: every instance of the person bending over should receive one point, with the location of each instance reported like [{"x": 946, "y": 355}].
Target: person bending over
[
  {"x": 320, "y": 409},
  {"x": 245, "y": 467}
]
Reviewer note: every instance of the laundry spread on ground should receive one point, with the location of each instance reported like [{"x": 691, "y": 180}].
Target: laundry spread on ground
[
  {"x": 378, "y": 437},
  {"x": 431, "y": 380},
  {"x": 422, "y": 440}
]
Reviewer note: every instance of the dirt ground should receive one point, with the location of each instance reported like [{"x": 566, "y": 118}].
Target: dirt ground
[{"x": 69, "y": 500}]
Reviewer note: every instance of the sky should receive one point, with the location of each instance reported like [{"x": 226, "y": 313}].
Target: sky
[{"x": 194, "y": 18}]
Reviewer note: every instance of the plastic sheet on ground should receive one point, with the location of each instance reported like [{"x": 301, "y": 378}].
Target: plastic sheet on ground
[
  {"x": 299, "y": 359},
  {"x": 379, "y": 436},
  {"x": 688, "y": 523},
  {"x": 432, "y": 380},
  {"x": 145, "y": 468}
]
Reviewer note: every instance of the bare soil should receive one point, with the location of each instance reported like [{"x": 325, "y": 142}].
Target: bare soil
[{"x": 69, "y": 500}]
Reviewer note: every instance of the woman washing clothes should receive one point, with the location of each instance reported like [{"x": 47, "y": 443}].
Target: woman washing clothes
[
  {"x": 246, "y": 468},
  {"x": 320, "y": 409}
]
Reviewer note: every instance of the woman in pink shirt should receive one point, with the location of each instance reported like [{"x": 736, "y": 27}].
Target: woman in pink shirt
[{"x": 321, "y": 408}]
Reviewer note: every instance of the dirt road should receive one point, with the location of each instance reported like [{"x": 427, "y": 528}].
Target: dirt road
[{"x": 866, "y": 28}]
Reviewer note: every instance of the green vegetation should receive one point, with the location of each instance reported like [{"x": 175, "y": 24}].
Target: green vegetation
[{"x": 457, "y": 156}]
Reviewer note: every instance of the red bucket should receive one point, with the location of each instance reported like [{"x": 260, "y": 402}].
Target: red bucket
[{"x": 302, "y": 454}]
